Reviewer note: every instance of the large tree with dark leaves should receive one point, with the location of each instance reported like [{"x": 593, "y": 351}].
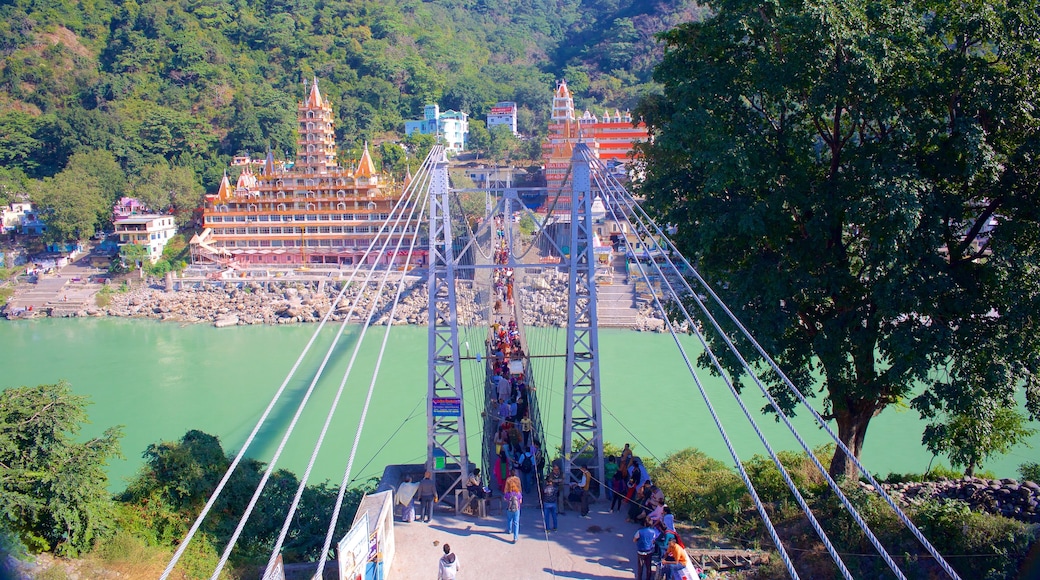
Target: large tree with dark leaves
[
  {"x": 53, "y": 489},
  {"x": 859, "y": 179}
]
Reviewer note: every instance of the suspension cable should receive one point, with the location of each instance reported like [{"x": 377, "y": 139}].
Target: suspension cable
[
  {"x": 790, "y": 386},
  {"x": 328, "y": 420},
  {"x": 263, "y": 417},
  {"x": 303, "y": 403},
  {"x": 643, "y": 220}
]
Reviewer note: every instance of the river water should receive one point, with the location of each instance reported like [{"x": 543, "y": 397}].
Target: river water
[{"x": 159, "y": 380}]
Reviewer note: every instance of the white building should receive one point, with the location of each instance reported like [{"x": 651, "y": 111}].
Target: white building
[
  {"x": 503, "y": 113},
  {"x": 450, "y": 127},
  {"x": 20, "y": 217},
  {"x": 153, "y": 231}
]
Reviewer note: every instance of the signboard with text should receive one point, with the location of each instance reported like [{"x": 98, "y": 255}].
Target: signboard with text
[
  {"x": 353, "y": 550},
  {"x": 447, "y": 407}
]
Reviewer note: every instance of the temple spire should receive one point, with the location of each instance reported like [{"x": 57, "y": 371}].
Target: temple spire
[
  {"x": 314, "y": 100},
  {"x": 366, "y": 168},
  {"x": 224, "y": 193}
]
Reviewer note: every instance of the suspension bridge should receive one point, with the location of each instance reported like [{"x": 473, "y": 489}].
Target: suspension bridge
[{"x": 487, "y": 258}]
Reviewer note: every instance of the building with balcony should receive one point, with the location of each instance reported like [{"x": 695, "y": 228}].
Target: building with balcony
[
  {"x": 152, "y": 231},
  {"x": 450, "y": 127},
  {"x": 502, "y": 114},
  {"x": 311, "y": 211}
]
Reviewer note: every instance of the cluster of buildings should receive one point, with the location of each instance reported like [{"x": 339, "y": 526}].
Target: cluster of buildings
[
  {"x": 611, "y": 137},
  {"x": 317, "y": 211}
]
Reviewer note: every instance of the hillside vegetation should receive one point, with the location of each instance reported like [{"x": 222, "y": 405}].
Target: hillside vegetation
[{"x": 193, "y": 82}]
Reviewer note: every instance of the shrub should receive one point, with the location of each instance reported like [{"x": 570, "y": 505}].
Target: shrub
[
  {"x": 1030, "y": 471},
  {"x": 104, "y": 296},
  {"x": 998, "y": 545},
  {"x": 771, "y": 487},
  {"x": 697, "y": 486}
]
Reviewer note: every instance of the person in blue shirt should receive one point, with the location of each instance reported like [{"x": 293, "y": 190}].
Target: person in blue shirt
[{"x": 644, "y": 540}]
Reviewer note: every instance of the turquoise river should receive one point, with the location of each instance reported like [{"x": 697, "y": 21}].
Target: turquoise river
[{"x": 159, "y": 380}]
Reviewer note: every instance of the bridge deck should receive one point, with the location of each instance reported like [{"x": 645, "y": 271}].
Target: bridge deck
[{"x": 592, "y": 549}]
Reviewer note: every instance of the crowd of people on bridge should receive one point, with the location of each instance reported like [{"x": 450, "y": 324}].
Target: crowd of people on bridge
[{"x": 519, "y": 466}]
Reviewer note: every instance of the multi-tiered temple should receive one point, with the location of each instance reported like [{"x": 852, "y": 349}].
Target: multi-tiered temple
[
  {"x": 610, "y": 137},
  {"x": 312, "y": 211}
]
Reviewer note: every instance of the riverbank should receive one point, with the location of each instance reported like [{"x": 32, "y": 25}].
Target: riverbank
[{"x": 272, "y": 302}]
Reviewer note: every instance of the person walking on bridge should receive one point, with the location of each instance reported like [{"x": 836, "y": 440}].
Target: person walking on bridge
[{"x": 513, "y": 498}]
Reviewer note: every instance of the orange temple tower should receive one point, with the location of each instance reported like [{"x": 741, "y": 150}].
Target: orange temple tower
[{"x": 312, "y": 211}]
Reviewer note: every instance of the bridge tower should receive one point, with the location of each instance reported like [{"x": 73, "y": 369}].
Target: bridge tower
[
  {"x": 582, "y": 411},
  {"x": 445, "y": 422}
]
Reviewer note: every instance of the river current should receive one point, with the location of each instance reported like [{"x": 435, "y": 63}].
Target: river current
[{"x": 160, "y": 380}]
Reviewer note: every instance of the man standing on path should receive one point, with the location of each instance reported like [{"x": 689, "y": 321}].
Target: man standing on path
[
  {"x": 427, "y": 496},
  {"x": 644, "y": 539},
  {"x": 448, "y": 567},
  {"x": 550, "y": 494},
  {"x": 582, "y": 486}
]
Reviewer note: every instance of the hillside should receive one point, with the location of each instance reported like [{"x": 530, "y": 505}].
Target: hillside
[{"x": 188, "y": 84}]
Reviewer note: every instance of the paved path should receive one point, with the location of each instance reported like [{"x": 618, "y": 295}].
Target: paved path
[{"x": 590, "y": 549}]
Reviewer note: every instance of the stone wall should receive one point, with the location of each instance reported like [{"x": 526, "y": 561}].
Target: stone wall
[
  {"x": 237, "y": 302},
  {"x": 1006, "y": 497}
]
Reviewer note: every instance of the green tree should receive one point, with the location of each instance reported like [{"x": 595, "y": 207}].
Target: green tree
[
  {"x": 503, "y": 143},
  {"x": 393, "y": 157},
  {"x": 479, "y": 138},
  {"x": 419, "y": 145},
  {"x": 14, "y": 185},
  {"x": 174, "y": 190},
  {"x": 53, "y": 489},
  {"x": 132, "y": 256},
  {"x": 840, "y": 166},
  {"x": 104, "y": 171},
  {"x": 969, "y": 439},
  {"x": 71, "y": 204},
  {"x": 18, "y": 142}
]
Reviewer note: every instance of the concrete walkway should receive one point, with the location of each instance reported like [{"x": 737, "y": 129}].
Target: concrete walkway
[{"x": 590, "y": 549}]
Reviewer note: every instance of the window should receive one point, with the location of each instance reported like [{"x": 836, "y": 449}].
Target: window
[
  {"x": 264, "y": 230},
  {"x": 323, "y": 217},
  {"x": 337, "y": 230},
  {"x": 324, "y": 230},
  {"x": 276, "y": 230}
]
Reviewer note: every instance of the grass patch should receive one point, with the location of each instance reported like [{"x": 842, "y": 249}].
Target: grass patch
[
  {"x": 104, "y": 296},
  {"x": 5, "y": 294}
]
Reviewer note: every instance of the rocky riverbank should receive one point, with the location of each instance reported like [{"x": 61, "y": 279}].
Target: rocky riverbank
[
  {"x": 1006, "y": 497},
  {"x": 233, "y": 302}
]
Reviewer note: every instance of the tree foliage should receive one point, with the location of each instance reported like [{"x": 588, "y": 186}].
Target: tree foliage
[
  {"x": 842, "y": 167},
  {"x": 179, "y": 477},
  {"x": 52, "y": 488}
]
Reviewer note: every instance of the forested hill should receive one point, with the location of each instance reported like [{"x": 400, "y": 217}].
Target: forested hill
[{"x": 188, "y": 83}]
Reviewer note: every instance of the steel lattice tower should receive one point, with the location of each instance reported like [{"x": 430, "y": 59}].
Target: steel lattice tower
[
  {"x": 445, "y": 420},
  {"x": 582, "y": 424}
]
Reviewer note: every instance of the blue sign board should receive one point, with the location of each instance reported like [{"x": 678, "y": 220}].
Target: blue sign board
[{"x": 447, "y": 407}]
